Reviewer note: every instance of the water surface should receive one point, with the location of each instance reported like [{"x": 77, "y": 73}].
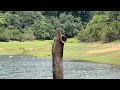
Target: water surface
[{"x": 28, "y": 67}]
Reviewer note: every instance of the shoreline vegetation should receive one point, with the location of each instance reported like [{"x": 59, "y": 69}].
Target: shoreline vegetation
[
  {"x": 31, "y": 33},
  {"x": 98, "y": 52}
]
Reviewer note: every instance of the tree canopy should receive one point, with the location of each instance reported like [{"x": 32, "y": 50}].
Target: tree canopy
[
  {"x": 87, "y": 26},
  {"x": 102, "y": 27}
]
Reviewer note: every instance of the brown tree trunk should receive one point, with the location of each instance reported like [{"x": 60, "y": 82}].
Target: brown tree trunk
[{"x": 57, "y": 54}]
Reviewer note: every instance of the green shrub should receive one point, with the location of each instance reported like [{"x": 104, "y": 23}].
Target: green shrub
[{"x": 101, "y": 28}]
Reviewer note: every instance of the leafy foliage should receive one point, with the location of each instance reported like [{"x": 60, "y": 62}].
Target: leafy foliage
[
  {"x": 102, "y": 27},
  {"x": 88, "y": 26}
]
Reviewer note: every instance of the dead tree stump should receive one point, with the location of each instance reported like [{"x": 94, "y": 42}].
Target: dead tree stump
[{"x": 57, "y": 53}]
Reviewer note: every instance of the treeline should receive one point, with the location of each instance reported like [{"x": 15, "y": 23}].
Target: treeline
[
  {"x": 87, "y": 26},
  {"x": 104, "y": 26},
  {"x": 30, "y": 25}
]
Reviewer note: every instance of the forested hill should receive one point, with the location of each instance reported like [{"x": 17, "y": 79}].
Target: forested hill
[{"x": 87, "y": 26}]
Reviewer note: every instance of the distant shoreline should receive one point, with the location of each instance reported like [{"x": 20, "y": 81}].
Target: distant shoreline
[{"x": 108, "y": 53}]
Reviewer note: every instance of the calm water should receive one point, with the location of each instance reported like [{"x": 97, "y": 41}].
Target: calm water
[{"x": 27, "y": 67}]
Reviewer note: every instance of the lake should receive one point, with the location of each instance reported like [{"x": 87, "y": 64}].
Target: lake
[{"x": 28, "y": 67}]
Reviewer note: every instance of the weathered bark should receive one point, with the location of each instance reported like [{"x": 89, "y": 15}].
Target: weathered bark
[{"x": 57, "y": 54}]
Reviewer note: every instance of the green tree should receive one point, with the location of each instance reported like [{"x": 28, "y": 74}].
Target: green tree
[
  {"x": 91, "y": 32},
  {"x": 104, "y": 26},
  {"x": 70, "y": 24},
  {"x": 42, "y": 28}
]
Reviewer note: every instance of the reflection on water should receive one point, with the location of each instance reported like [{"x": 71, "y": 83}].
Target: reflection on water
[{"x": 28, "y": 67}]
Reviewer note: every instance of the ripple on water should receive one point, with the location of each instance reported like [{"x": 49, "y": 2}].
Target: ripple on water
[{"x": 28, "y": 67}]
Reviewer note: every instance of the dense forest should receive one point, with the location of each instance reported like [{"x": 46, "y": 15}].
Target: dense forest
[{"x": 87, "y": 26}]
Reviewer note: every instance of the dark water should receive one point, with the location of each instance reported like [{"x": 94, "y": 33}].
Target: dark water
[{"x": 27, "y": 67}]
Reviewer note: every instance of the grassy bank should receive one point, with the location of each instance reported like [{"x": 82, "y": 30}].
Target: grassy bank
[{"x": 95, "y": 52}]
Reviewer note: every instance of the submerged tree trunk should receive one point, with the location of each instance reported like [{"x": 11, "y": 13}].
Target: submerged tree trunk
[{"x": 57, "y": 54}]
